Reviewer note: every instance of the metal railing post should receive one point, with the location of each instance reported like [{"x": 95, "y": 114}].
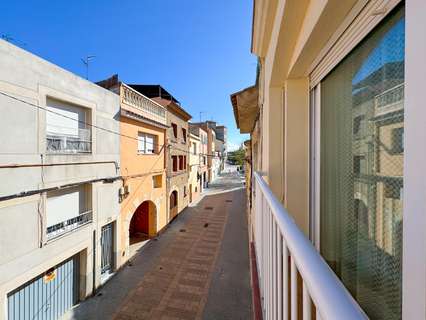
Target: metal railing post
[{"x": 277, "y": 239}]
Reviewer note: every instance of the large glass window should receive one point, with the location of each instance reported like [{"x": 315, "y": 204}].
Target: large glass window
[{"x": 362, "y": 121}]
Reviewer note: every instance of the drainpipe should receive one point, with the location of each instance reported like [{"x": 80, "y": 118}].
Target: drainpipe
[{"x": 94, "y": 264}]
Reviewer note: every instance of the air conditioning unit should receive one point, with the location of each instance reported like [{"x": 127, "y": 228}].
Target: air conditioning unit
[{"x": 126, "y": 189}]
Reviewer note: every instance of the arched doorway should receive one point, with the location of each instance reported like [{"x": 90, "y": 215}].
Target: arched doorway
[
  {"x": 143, "y": 224},
  {"x": 173, "y": 204}
]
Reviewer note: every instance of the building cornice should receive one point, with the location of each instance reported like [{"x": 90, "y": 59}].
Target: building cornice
[
  {"x": 134, "y": 116},
  {"x": 263, "y": 19}
]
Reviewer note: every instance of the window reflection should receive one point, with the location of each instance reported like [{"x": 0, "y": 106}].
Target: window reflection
[{"x": 362, "y": 116}]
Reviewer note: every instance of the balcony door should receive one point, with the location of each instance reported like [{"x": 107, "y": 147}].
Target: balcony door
[{"x": 357, "y": 160}]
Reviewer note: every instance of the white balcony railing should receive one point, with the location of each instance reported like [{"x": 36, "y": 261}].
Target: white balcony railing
[
  {"x": 145, "y": 106},
  {"x": 69, "y": 225},
  {"x": 390, "y": 100},
  {"x": 65, "y": 140},
  {"x": 282, "y": 251}
]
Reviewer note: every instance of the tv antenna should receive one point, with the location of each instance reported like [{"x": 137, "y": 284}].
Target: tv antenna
[
  {"x": 10, "y": 39},
  {"x": 86, "y": 62},
  {"x": 7, "y": 37}
]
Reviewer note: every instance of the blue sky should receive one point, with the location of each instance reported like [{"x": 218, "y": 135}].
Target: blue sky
[
  {"x": 198, "y": 50},
  {"x": 389, "y": 49}
]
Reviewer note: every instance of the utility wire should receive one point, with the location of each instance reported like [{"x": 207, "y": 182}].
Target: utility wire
[{"x": 97, "y": 127}]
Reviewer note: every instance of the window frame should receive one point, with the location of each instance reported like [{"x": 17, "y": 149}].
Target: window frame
[
  {"x": 181, "y": 163},
  {"x": 397, "y": 138},
  {"x": 53, "y": 102},
  {"x": 175, "y": 163},
  {"x": 184, "y": 135},
  {"x": 154, "y": 143}
]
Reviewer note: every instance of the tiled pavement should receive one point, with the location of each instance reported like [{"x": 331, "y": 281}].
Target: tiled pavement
[
  {"x": 171, "y": 278},
  {"x": 178, "y": 287}
]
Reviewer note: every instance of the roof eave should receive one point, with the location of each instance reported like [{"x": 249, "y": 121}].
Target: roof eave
[{"x": 245, "y": 106}]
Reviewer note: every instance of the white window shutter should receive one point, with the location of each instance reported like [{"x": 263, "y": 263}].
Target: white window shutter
[{"x": 141, "y": 143}]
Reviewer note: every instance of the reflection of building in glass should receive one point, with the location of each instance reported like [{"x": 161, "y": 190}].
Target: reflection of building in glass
[
  {"x": 377, "y": 148},
  {"x": 389, "y": 122},
  {"x": 361, "y": 170}
]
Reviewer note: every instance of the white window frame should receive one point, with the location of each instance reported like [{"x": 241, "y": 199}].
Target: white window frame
[
  {"x": 142, "y": 136},
  {"x": 414, "y": 205},
  {"x": 315, "y": 164}
]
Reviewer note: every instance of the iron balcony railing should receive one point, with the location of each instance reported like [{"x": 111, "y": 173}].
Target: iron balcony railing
[
  {"x": 69, "y": 225},
  {"x": 283, "y": 251},
  {"x": 66, "y": 140}
]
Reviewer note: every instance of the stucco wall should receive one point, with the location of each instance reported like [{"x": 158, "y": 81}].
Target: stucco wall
[
  {"x": 141, "y": 187},
  {"x": 23, "y": 141}
]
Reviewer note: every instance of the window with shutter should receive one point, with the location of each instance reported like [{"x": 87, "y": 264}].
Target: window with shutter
[{"x": 67, "y": 130}]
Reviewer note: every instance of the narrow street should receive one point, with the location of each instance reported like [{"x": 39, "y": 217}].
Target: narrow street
[{"x": 197, "y": 269}]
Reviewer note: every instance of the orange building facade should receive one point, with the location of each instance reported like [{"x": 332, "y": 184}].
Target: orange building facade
[{"x": 143, "y": 126}]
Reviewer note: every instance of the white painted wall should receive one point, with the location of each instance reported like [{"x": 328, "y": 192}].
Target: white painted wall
[{"x": 24, "y": 252}]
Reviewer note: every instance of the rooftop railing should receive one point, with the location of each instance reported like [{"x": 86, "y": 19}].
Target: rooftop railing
[
  {"x": 146, "y": 107},
  {"x": 390, "y": 100},
  {"x": 283, "y": 251}
]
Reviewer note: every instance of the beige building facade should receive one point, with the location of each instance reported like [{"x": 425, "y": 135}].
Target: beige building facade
[
  {"x": 203, "y": 162},
  {"x": 213, "y": 161},
  {"x": 195, "y": 183},
  {"x": 177, "y": 158}
]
